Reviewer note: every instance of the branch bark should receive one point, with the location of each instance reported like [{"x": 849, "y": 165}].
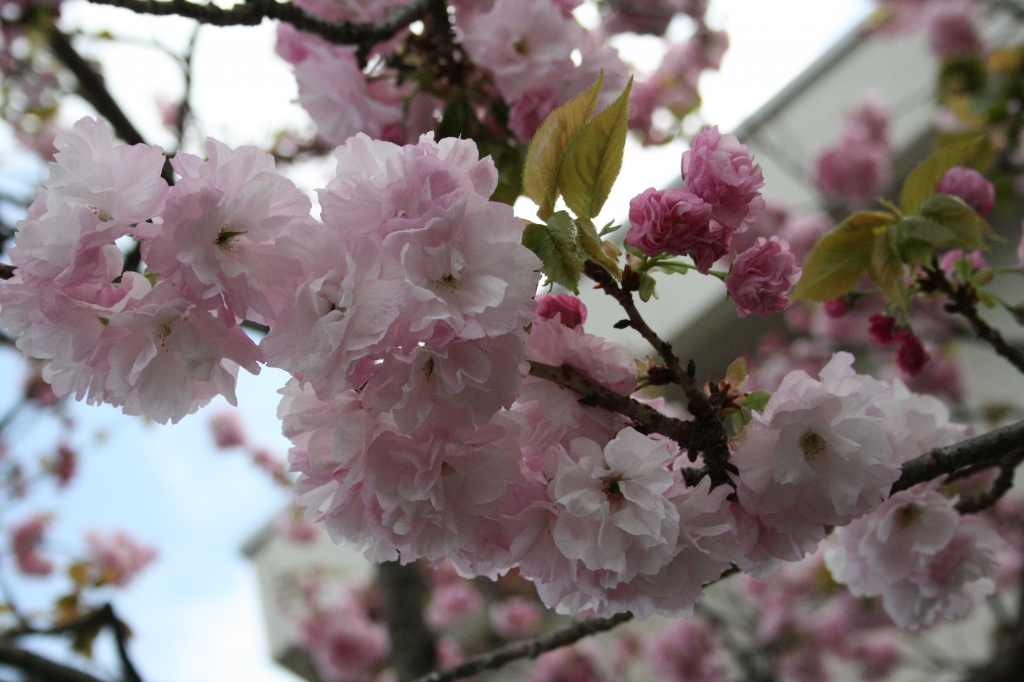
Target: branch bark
[
  {"x": 531, "y": 648},
  {"x": 38, "y": 667},
  {"x": 710, "y": 436},
  {"x": 253, "y": 12},
  {"x": 404, "y": 591},
  {"x": 962, "y": 301},
  {"x": 990, "y": 448}
]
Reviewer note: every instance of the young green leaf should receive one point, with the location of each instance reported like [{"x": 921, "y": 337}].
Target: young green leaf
[
  {"x": 591, "y": 245},
  {"x": 886, "y": 268},
  {"x": 594, "y": 158},
  {"x": 548, "y": 146},
  {"x": 756, "y": 400},
  {"x": 960, "y": 221},
  {"x": 737, "y": 372},
  {"x": 920, "y": 184},
  {"x": 841, "y": 258},
  {"x": 647, "y": 285},
  {"x": 556, "y": 246}
]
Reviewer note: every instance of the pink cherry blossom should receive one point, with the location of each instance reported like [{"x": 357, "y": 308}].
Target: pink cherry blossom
[
  {"x": 529, "y": 111},
  {"x": 649, "y": 16},
  {"x": 521, "y": 43},
  {"x": 818, "y": 454},
  {"x": 973, "y": 259},
  {"x": 346, "y": 646},
  {"x": 227, "y": 429},
  {"x": 953, "y": 31},
  {"x": 569, "y": 664},
  {"x": 120, "y": 185},
  {"x": 721, "y": 171},
  {"x": 569, "y": 310},
  {"x": 762, "y": 277},
  {"x": 678, "y": 222},
  {"x": 218, "y": 241},
  {"x": 26, "y": 539},
  {"x": 971, "y": 186},
  {"x": 687, "y": 652},
  {"x": 377, "y": 181},
  {"x": 616, "y": 516},
  {"x": 118, "y": 556},
  {"x": 334, "y": 90},
  {"x": 450, "y": 603},
  {"x": 919, "y": 555},
  {"x": 853, "y": 172},
  {"x": 515, "y": 617}
]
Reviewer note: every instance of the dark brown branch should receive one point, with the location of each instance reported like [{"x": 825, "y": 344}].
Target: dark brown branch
[
  {"x": 962, "y": 300},
  {"x": 644, "y": 417},
  {"x": 38, "y": 667},
  {"x": 404, "y": 592},
  {"x": 93, "y": 90},
  {"x": 529, "y": 649},
  {"x": 982, "y": 501},
  {"x": 991, "y": 448},
  {"x": 253, "y": 12},
  {"x": 92, "y": 621},
  {"x": 710, "y": 436}
]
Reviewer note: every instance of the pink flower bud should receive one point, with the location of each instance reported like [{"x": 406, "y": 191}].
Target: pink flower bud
[
  {"x": 721, "y": 171},
  {"x": 949, "y": 261},
  {"x": 515, "y": 617},
  {"x": 26, "y": 538},
  {"x": 227, "y": 429},
  {"x": 530, "y": 110},
  {"x": 678, "y": 222},
  {"x": 952, "y": 32},
  {"x": 882, "y": 328},
  {"x": 762, "y": 277},
  {"x": 853, "y": 171},
  {"x": 911, "y": 357},
  {"x": 837, "y": 307},
  {"x": 971, "y": 186},
  {"x": 569, "y": 310}
]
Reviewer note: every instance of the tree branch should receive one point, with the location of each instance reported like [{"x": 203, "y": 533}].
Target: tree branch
[
  {"x": 531, "y": 648},
  {"x": 253, "y": 12},
  {"x": 992, "y": 448},
  {"x": 710, "y": 436},
  {"x": 962, "y": 301},
  {"x": 93, "y": 90},
  {"x": 404, "y": 591},
  {"x": 38, "y": 667}
]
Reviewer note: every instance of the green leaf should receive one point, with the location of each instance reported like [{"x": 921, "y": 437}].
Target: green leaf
[
  {"x": 920, "y": 184},
  {"x": 841, "y": 258},
  {"x": 591, "y": 244},
  {"x": 548, "y": 146},
  {"x": 963, "y": 225},
  {"x": 555, "y": 244},
  {"x": 756, "y": 400},
  {"x": 886, "y": 268},
  {"x": 737, "y": 372},
  {"x": 608, "y": 229},
  {"x": 594, "y": 158},
  {"x": 647, "y": 284}
]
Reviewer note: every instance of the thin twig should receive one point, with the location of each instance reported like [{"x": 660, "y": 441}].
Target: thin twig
[
  {"x": 991, "y": 448},
  {"x": 710, "y": 436},
  {"x": 529, "y": 649},
  {"x": 962, "y": 300},
  {"x": 38, "y": 667},
  {"x": 253, "y": 12}
]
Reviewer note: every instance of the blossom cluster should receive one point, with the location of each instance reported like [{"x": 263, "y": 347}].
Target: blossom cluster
[{"x": 407, "y": 317}]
